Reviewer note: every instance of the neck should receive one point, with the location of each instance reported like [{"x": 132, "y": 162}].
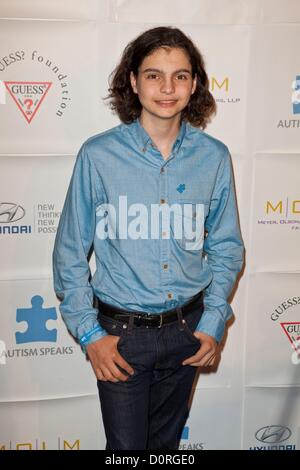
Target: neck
[{"x": 163, "y": 132}]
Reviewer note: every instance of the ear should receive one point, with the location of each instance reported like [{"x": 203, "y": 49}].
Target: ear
[
  {"x": 133, "y": 82},
  {"x": 194, "y": 83}
]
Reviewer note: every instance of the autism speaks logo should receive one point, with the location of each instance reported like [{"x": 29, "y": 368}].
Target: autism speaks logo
[
  {"x": 34, "y": 328},
  {"x": 296, "y": 95},
  {"x": 287, "y": 122},
  {"x": 36, "y": 318},
  {"x": 188, "y": 445}
]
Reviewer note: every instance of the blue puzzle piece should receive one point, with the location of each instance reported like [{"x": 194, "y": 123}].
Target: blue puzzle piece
[
  {"x": 185, "y": 433},
  {"x": 181, "y": 187},
  {"x": 36, "y": 317},
  {"x": 296, "y": 106}
]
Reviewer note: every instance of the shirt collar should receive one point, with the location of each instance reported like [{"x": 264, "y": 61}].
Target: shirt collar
[{"x": 144, "y": 139}]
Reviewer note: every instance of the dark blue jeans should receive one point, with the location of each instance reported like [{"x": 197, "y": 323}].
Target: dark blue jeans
[{"x": 149, "y": 410}]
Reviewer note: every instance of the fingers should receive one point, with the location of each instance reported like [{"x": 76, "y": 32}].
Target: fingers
[
  {"x": 207, "y": 359},
  {"x": 117, "y": 373},
  {"x": 212, "y": 361},
  {"x": 107, "y": 374},
  {"x": 204, "y": 357},
  {"x": 205, "y": 362},
  {"x": 97, "y": 372},
  {"x": 100, "y": 376},
  {"x": 111, "y": 372},
  {"x": 122, "y": 363},
  {"x": 106, "y": 360},
  {"x": 201, "y": 353}
]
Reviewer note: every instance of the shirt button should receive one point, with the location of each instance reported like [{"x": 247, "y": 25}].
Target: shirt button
[
  {"x": 162, "y": 170},
  {"x": 170, "y": 295},
  {"x": 165, "y": 266},
  {"x": 162, "y": 201}
]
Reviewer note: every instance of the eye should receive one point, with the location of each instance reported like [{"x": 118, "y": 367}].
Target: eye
[
  {"x": 181, "y": 76},
  {"x": 152, "y": 75}
]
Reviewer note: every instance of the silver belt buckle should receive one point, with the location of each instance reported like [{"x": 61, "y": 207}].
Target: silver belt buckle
[{"x": 160, "y": 321}]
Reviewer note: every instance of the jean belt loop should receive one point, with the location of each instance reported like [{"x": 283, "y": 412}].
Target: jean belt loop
[
  {"x": 130, "y": 323},
  {"x": 179, "y": 316}
]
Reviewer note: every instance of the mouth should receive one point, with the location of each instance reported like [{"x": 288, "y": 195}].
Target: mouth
[{"x": 166, "y": 103}]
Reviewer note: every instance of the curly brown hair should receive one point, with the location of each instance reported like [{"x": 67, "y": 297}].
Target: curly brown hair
[{"x": 125, "y": 103}]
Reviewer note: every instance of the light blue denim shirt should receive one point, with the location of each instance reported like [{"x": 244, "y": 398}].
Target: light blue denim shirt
[{"x": 144, "y": 263}]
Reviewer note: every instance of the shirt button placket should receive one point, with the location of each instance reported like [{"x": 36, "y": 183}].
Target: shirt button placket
[{"x": 164, "y": 242}]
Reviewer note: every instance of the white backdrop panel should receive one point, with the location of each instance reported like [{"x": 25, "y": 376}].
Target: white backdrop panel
[
  {"x": 277, "y": 11},
  {"x": 273, "y": 325},
  {"x": 55, "y": 9},
  {"x": 43, "y": 360},
  {"x": 64, "y": 55},
  {"x": 272, "y": 407},
  {"x": 62, "y": 424},
  {"x": 273, "y": 121},
  {"x": 200, "y": 12},
  {"x": 37, "y": 183},
  {"x": 214, "y": 421},
  {"x": 276, "y": 213}
]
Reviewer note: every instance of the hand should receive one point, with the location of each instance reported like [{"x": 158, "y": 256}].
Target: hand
[
  {"x": 105, "y": 357},
  {"x": 207, "y": 353}
]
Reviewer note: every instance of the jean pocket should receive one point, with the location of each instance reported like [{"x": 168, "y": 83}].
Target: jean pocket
[
  {"x": 190, "y": 322},
  {"x": 113, "y": 327},
  {"x": 189, "y": 332}
]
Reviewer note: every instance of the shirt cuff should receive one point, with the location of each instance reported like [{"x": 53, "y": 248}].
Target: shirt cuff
[
  {"x": 89, "y": 331},
  {"x": 213, "y": 324}
]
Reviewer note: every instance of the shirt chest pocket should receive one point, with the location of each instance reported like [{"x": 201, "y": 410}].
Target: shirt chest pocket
[{"x": 187, "y": 223}]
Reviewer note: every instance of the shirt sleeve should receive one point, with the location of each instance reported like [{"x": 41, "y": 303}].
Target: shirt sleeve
[
  {"x": 224, "y": 248},
  {"x": 74, "y": 239}
]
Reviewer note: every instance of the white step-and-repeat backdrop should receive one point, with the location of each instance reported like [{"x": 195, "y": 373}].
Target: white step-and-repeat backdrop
[{"x": 60, "y": 54}]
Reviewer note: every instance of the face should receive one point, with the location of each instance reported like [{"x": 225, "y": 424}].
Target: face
[{"x": 164, "y": 83}]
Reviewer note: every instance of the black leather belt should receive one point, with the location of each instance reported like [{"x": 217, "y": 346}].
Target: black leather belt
[{"x": 148, "y": 319}]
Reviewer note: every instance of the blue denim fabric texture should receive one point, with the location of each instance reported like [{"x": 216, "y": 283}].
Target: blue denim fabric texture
[{"x": 148, "y": 274}]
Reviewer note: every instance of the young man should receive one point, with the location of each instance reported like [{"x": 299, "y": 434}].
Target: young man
[{"x": 155, "y": 198}]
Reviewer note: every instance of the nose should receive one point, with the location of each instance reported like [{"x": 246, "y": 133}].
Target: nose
[{"x": 167, "y": 85}]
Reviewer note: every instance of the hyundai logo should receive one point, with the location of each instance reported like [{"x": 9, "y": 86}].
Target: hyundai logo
[
  {"x": 273, "y": 434},
  {"x": 10, "y": 212}
]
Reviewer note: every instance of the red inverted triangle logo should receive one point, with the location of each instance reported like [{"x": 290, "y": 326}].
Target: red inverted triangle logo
[
  {"x": 292, "y": 330},
  {"x": 28, "y": 96}
]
